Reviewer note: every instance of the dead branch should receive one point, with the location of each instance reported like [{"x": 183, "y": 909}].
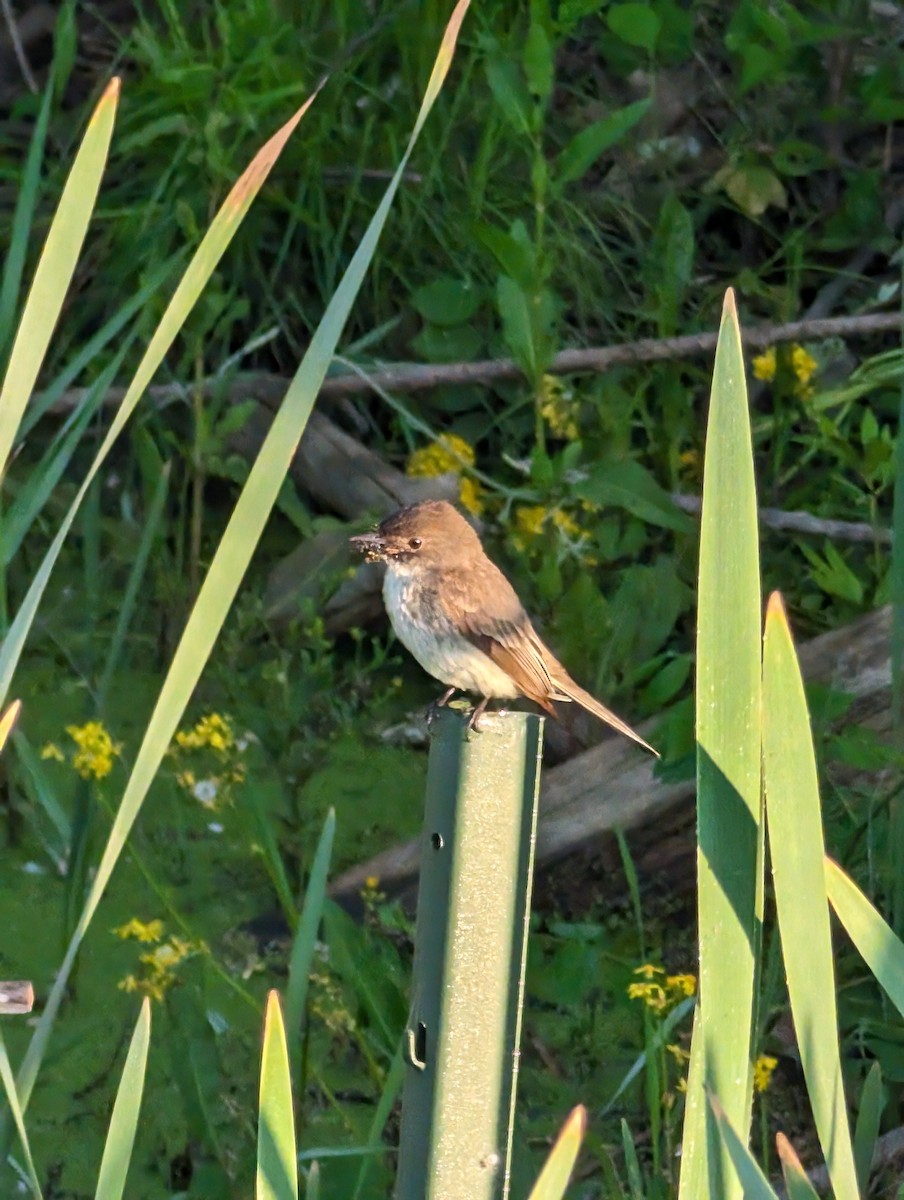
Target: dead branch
[
  {"x": 269, "y": 389},
  {"x": 803, "y": 522}
]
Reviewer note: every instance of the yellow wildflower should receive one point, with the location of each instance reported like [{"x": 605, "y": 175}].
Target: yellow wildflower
[
  {"x": 566, "y": 523},
  {"x": 95, "y": 751},
  {"x": 529, "y": 520},
  {"x": 803, "y": 364},
  {"x": 762, "y": 1071},
  {"x": 652, "y": 994},
  {"x": 448, "y": 453},
  {"x": 681, "y": 985},
  {"x": 372, "y": 882},
  {"x": 141, "y": 931},
  {"x": 214, "y": 730},
  {"x": 51, "y": 750},
  {"x": 469, "y": 495},
  {"x": 558, "y": 408},
  {"x": 764, "y": 365},
  {"x": 649, "y": 971}
]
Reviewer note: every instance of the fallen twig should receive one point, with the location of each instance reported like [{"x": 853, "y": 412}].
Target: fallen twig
[
  {"x": 803, "y": 522},
  {"x": 413, "y": 377}
]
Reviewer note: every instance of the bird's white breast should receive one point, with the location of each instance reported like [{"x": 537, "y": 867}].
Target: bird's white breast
[{"x": 440, "y": 649}]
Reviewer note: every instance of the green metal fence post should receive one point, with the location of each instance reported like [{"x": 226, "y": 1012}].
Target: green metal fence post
[{"x": 470, "y": 951}]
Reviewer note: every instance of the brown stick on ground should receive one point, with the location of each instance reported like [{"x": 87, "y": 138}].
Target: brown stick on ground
[
  {"x": 16, "y": 996},
  {"x": 613, "y": 786},
  {"x": 269, "y": 389}
]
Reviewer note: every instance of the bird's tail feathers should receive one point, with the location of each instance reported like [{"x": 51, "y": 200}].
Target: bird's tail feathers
[{"x": 567, "y": 689}]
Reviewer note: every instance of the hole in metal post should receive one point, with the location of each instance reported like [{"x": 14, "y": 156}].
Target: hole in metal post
[
  {"x": 436, "y": 841},
  {"x": 420, "y": 1044}
]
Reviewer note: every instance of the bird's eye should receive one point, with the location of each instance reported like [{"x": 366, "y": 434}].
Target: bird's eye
[{"x": 414, "y": 543}]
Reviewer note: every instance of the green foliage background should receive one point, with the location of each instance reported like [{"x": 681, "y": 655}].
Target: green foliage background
[{"x": 591, "y": 174}]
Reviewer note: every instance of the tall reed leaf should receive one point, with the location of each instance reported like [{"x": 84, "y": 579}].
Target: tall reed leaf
[
  {"x": 55, "y": 269},
  {"x": 304, "y": 944},
  {"x": 277, "y": 1170},
  {"x": 114, "y": 1167},
  {"x": 874, "y": 938},
  {"x": 245, "y": 525},
  {"x": 18, "y": 1111},
  {"x": 798, "y": 1185},
  {"x": 729, "y": 826},
  {"x": 796, "y": 849},
  {"x": 199, "y": 270},
  {"x": 553, "y": 1179},
  {"x": 747, "y": 1172}
]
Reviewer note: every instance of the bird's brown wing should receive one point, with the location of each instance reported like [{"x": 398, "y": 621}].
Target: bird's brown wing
[
  {"x": 513, "y": 647},
  {"x": 510, "y": 640},
  {"x": 488, "y": 612}
]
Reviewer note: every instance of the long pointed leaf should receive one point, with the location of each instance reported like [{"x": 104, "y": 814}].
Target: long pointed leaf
[
  {"x": 553, "y": 1179},
  {"x": 199, "y": 270},
  {"x": 796, "y": 849},
  {"x": 747, "y": 1172},
  {"x": 277, "y": 1173},
  {"x": 729, "y": 858},
  {"x": 17, "y": 1110},
  {"x": 796, "y": 1181},
  {"x": 304, "y": 944},
  {"x": 114, "y": 1167},
  {"x": 875, "y": 939},
  {"x": 55, "y": 269},
  {"x": 248, "y": 519}
]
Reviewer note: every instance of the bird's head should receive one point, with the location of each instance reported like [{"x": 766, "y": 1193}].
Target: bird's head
[{"x": 430, "y": 534}]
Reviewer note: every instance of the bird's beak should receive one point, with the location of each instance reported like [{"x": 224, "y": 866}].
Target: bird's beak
[{"x": 371, "y": 545}]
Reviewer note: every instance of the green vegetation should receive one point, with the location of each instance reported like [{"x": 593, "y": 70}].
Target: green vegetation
[{"x": 589, "y": 174}]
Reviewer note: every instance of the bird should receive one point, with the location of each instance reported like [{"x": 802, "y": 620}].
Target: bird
[{"x": 457, "y": 614}]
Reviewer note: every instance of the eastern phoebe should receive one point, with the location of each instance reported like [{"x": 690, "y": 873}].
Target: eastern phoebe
[{"x": 460, "y": 618}]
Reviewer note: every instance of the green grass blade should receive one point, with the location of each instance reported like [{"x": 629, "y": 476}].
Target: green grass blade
[
  {"x": 277, "y": 1173},
  {"x": 312, "y": 1183},
  {"x": 304, "y": 943},
  {"x": 392, "y": 1089},
  {"x": 632, "y": 1166},
  {"x": 55, "y": 269},
  {"x": 40, "y": 789},
  {"x": 797, "y": 851},
  {"x": 866, "y": 1130},
  {"x": 553, "y": 1179},
  {"x": 42, "y": 402},
  {"x": 747, "y": 1172},
  {"x": 896, "y": 810},
  {"x": 729, "y": 857},
  {"x": 19, "y": 235},
  {"x": 114, "y": 1166},
  {"x": 249, "y": 516},
  {"x": 9, "y": 1086},
  {"x": 42, "y": 481},
  {"x": 149, "y": 531},
  {"x": 199, "y": 270},
  {"x": 880, "y": 948}
]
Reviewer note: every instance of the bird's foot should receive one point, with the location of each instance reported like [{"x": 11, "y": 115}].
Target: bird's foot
[
  {"x": 474, "y": 719},
  {"x": 433, "y": 710}
]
